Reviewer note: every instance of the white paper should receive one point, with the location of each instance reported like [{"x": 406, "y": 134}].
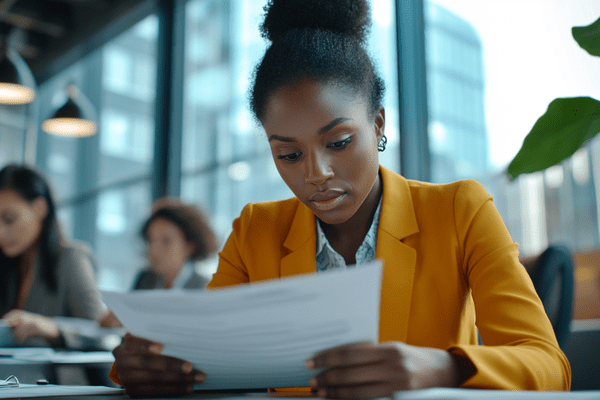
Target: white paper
[
  {"x": 257, "y": 335},
  {"x": 479, "y": 394}
]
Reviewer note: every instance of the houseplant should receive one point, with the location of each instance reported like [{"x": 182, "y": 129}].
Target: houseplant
[{"x": 567, "y": 124}]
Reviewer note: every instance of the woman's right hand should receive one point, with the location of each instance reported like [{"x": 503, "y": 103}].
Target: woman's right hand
[{"x": 144, "y": 371}]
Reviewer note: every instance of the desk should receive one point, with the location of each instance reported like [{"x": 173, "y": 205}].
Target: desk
[
  {"x": 429, "y": 394},
  {"x": 29, "y": 365}
]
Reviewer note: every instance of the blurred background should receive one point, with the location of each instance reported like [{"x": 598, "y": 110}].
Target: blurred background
[{"x": 167, "y": 82}]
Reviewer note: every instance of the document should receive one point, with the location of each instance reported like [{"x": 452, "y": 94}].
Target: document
[{"x": 257, "y": 335}]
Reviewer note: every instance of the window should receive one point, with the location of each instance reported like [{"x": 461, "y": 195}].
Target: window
[
  {"x": 226, "y": 160},
  {"x": 491, "y": 74},
  {"x": 12, "y": 133},
  {"x": 103, "y": 183}
]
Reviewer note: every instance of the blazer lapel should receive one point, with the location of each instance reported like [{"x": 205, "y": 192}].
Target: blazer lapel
[
  {"x": 397, "y": 221},
  {"x": 301, "y": 241}
]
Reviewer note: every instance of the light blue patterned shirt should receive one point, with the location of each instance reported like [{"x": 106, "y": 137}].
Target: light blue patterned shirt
[{"x": 328, "y": 258}]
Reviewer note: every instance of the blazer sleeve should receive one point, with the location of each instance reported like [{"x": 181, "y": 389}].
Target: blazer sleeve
[{"x": 520, "y": 349}]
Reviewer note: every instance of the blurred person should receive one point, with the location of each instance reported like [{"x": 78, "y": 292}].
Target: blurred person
[
  {"x": 177, "y": 236},
  {"x": 42, "y": 275}
]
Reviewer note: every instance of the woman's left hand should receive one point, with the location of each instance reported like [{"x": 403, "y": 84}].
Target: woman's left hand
[
  {"x": 369, "y": 370},
  {"x": 26, "y": 325}
]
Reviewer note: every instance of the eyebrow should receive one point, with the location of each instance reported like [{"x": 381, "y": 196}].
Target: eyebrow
[{"x": 322, "y": 130}]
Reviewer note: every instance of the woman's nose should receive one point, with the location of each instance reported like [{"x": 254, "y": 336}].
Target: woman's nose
[{"x": 318, "y": 170}]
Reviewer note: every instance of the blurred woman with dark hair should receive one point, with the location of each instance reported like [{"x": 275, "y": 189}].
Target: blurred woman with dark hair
[
  {"x": 176, "y": 235},
  {"x": 41, "y": 274}
]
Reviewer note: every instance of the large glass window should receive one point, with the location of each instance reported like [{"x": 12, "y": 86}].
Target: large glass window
[
  {"x": 12, "y": 132},
  {"x": 491, "y": 74},
  {"x": 226, "y": 160},
  {"x": 103, "y": 183}
]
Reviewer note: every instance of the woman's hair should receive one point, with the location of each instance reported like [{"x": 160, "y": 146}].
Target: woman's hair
[
  {"x": 190, "y": 220},
  {"x": 31, "y": 185},
  {"x": 315, "y": 39}
]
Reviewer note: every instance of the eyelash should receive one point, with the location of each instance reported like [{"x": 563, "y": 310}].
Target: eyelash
[{"x": 339, "y": 145}]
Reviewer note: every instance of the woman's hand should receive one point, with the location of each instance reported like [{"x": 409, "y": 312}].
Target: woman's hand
[
  {"x": 368, "y": 370},
  {"x": 27, "y": 325},
  {"x": 144, "y": 371},
  {"x": 109, "y": 320}
]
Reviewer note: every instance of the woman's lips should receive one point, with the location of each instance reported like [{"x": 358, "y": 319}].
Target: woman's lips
[{"x": 328, "y": 204}]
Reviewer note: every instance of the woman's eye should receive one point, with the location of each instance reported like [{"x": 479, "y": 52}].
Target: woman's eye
[
  {"x": 289, "y": 157},
  {"x": 340, "y": 144}
]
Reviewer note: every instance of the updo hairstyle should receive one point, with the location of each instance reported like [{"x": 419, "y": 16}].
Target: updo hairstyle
[{"x": 315, "y": 39}]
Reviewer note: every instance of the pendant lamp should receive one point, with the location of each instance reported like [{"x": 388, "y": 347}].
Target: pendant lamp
[
  {"x": 76, "y": 118},
  {"x": 16, "y": 79}
]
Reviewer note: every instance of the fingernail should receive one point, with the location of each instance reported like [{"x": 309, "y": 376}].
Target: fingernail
[
  {"x": 313, "y": 382},
  {"x": 310, "y": 363},
  {"x": 187, "y": 367},
  {"x": 155, "y": 348},
  {"x": 199, "y": 378}
]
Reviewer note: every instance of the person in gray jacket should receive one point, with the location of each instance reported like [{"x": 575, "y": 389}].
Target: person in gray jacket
[
  {"x": 42, "y": 275},
  {"x": 177, "y": 235}
]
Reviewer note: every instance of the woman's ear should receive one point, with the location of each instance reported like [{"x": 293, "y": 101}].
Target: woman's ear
[
  {"x": 379, "y": 121},
  {"x": 40, "y": 208}
]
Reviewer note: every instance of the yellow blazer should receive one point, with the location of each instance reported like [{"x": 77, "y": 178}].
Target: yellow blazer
[{"x": 450, "y": 268}]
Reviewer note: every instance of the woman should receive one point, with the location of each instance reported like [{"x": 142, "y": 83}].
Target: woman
[
  {"x": 41, "y": 275},
  {"x": 176, "y": 234},
  {"x": 449, "y": 261}
]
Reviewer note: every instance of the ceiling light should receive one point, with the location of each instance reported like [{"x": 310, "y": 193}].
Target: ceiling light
[
  {"x": 74, "y": 119},
  {"x": 16, "y": 79}
]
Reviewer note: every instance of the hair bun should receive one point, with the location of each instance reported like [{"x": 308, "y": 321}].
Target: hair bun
[{"x": 347, "y": 17}]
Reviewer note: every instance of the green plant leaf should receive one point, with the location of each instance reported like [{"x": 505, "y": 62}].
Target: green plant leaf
[
  {"x": 588, "y": 37},
  {"x": 561, "y": 131}
]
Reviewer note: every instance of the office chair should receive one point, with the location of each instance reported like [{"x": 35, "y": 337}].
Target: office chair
[{"x": 552, "y": 276}]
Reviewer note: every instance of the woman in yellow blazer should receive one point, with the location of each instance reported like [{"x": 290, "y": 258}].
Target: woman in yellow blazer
[
  {"x": 446, "y": 251},
  {"x": 450, "y": 266}
]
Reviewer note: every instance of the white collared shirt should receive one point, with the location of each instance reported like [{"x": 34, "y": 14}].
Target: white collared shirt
[{"x": 328, "y": 258}]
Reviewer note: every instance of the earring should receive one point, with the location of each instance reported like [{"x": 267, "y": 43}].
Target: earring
[{"x": 382, "y": 143}]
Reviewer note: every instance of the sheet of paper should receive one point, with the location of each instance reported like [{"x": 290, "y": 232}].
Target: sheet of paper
[
  {"x": 257, "y": 335},
  {"x": 479, "y": 394}
]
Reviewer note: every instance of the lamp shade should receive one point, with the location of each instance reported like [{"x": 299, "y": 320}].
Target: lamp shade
[
  {"x": 16, "y": 80},
  {"x": 75, "y": 118}
]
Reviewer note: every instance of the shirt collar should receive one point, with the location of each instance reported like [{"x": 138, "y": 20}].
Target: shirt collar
[{"x": 370, "y": 239}]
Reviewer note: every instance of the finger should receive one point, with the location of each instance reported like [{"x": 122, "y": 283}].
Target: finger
[
  {"x": 143, "y": 376},
  {"x": 357, "y": 392},
  {"x": 153, "y": 362},
  {"x": 136, "y": 344},
  {"x": 12, "y": 318},
  {"x": 159, "y": 390},
  {"x": 361, "y": 375},
  {"x": 355, "y": 354},
  {"x": 20, "y": 333}
]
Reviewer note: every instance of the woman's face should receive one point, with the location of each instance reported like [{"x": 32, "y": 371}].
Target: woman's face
[
  {"x": 21, "y": 222},
  {"x": 167, "y": 247},
  {"x": 324, "y": 142}
]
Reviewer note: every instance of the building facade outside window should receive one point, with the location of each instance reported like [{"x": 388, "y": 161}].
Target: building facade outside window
[{"x": 491, "y": 74}]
